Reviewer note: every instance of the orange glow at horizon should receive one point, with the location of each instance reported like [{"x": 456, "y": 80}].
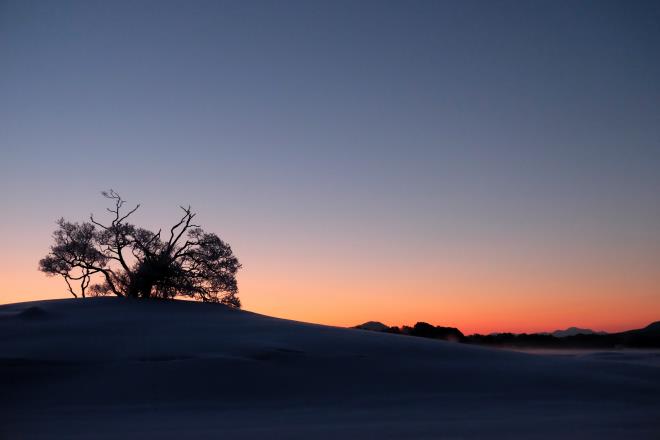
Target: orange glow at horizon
[
  {"x": 476, "y": 300},
  {"x": 461, "y": 303}
]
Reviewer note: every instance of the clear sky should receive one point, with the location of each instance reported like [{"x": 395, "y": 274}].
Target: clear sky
[{"x": 488, "y": 165}]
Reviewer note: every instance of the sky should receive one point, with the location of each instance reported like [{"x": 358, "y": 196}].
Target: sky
[{"x": 487, "y": 165}]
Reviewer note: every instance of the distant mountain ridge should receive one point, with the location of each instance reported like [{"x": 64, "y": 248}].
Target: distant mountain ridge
[
  {"x": 374, "y": 326},
  {"x": 572, "y": 337},
  {"x": 654, "y": 327},
  {"x": 572, "y": 331}
]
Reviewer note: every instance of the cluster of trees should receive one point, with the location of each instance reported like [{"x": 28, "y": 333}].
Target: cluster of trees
[
  {"x": 425, "y": 330},
  {"x": 119, "y": 258},
  {"x": 421, "y": 329}
]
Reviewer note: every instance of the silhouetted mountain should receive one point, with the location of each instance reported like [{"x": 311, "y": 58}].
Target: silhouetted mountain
[
  {"x": 572, "y": 331},
  {"x": 373, "y": 326},
  {"x": 653, "y": 328},
  {"x": 376, "y": 326},
  {"x": 648, "y": 336}
]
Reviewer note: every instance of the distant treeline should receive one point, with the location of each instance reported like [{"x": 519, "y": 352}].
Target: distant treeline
[{"x": 648, "y": 337}]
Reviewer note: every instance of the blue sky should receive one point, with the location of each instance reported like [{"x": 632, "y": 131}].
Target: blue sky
[{"x": 496, "y": 137}]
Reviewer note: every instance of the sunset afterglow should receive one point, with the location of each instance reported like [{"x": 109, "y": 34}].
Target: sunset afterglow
[{"x": 463, "y": 166}]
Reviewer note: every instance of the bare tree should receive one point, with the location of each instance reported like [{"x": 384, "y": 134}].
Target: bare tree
[{"x": 137, "y": 263}]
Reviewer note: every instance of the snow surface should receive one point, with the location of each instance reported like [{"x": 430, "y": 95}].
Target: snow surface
[{"x": 111, "y": 368}]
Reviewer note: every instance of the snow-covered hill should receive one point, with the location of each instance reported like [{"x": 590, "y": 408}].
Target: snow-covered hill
[{"x": 112, "y": 368}]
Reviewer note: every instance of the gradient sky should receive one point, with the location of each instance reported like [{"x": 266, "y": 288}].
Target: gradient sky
[{"x": 488, "y": 165}]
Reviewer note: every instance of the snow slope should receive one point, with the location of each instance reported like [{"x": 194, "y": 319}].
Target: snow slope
[{"x": 111, "y": 368}]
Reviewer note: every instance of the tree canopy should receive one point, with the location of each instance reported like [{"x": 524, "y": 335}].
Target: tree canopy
[{"x": 119, "y": 258}]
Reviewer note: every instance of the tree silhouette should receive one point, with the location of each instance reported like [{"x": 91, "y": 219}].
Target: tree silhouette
[{"x": 137, "y": 263}]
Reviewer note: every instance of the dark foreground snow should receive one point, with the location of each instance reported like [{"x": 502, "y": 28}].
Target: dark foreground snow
[{"x": 110, "y": 368}]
